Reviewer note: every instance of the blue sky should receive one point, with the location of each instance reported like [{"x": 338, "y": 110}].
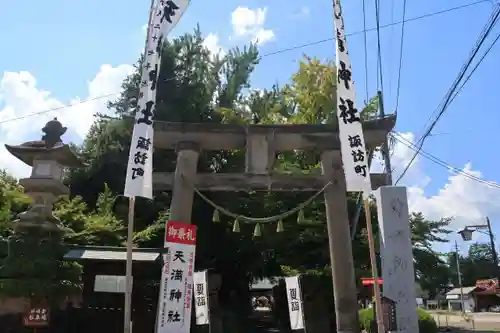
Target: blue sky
[{"x": 63, "y": 44}]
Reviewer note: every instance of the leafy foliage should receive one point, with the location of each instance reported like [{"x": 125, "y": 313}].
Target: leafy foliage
[
  {"x": 478, "y": 264},
  {"x": 196, "y": 86},
  {"x": 426, "y": 323}
]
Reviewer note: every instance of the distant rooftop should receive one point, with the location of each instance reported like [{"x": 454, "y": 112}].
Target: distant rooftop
[
  {"x": 111, "y": 253},
  {"x": 265, "y": 283}
]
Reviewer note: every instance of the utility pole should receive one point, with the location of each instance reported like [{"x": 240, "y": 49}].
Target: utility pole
[
  {"x": 385, "y": 146},
  {"x": 459, "y": 275},
  {"x": 493, "y": 251}
]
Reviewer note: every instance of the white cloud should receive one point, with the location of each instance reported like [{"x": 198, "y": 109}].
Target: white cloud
[
  {"x": 250, "y": 23},
  {"x": 466, "y": 200},
  {"x": 211, "y": 42},
  {"x": 20, "y": 97}
]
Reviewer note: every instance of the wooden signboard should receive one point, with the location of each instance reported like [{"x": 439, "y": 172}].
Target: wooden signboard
[
  {"x": 388, "y": 313},
  {"x": 37, "y": 315}
]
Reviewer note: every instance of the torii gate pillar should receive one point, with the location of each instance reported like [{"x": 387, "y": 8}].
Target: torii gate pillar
[
  {"x": 181, "y": 207},
  {"x": 339, "y": 234}
]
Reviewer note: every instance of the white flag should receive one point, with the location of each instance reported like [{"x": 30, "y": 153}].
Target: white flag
[
  {"x": 139, "y": 179},
  {"x": 201, "y": 298},
  {"x": 352, "y": 141},
  {"x": 295, "y": 308}
]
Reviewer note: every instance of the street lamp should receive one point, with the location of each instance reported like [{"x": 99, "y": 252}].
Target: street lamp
[{"x": 466, "y": 234}]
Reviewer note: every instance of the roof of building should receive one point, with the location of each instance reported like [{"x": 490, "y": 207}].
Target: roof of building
[
  {"x": 458, "y": 291},
  {"x": 111, "y": 253},
  {"x": 263, "y": 284}
]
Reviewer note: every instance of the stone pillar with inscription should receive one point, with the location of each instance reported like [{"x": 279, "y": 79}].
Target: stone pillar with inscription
[
  {"x": 35, "y": 249},
  {"x": 397, "y": 257}
]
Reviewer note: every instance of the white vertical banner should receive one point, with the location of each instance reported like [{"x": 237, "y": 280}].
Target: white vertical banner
[
  {"x": 139, "y": 179},
  {"x": 352, "y": 141},
  {"x": 295, "y": 307},
  {"x": 176, "y": 290},
  {"x": 201, "y": 298}
]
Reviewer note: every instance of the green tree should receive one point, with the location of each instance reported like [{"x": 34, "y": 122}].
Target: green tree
[
  {"x": 195, "y": 86},
  {"x": 31, "y": 261},
  {"x": 478, "y": 264}
]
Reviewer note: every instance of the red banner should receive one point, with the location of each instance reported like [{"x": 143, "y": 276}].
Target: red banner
[
  {"x": 181, "y": 233},
  {"x": 370, "y": 281}
]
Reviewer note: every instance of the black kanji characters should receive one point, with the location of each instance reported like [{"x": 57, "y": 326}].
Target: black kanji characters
[
  {"x": 140, "y": 158},
  {"x": 179, "y": 255},
  {"x": 294, "y": 305},
  {"x": 173, "y": 316},
  {"x": 293, "y": 293},
  {"x": 143, "y": 143},
  {"x": 340, "y": 41},
  {"x": 201, "y": 301},
  {"x": 147, "y": 114},
  {"x": 168, "y": 11},
  {"x": 137, "y": 172},
  {"x": 358, "y": 155},
  {"x": 355, "y": 141},
  {"x": 175, "y": 294},
  {"x": 348, "y": 112},
  {"x": 360, "y": 170},
  {"x": 177, "y": 275},
  {"x": 200, "y": 289},
  {"x": 153, "y": 77},
  {"x": 344, "y": 74}
]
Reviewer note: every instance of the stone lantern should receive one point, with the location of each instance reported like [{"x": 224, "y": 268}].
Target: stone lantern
[
  {"x": 48, "y": 157},
  {"x": 35, "y": 250}
]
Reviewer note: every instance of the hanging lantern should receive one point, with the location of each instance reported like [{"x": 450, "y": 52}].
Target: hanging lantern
[
  {"x": 236, "y": 226},
  {"x": 216, "y": 217},
  {"x": 279, "y": 226},
  {"x": 256, "y": 231},
  {"x": 300, "y": 217}
]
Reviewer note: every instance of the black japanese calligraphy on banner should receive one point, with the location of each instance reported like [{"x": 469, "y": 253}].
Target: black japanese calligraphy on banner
[
  {"x": 168, "y": 9},
  {"x": 294, "y": 298},
  {"x": 352, "y": 142},
  {"x": 201, "y": 298},
  {"x": 138, "y": 181},
  {"x": 178, "y": 289}
]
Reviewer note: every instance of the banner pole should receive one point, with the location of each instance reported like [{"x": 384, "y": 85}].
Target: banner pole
[
  {"x": 373, "y": 260},
  {"x": 128, "y": 270},
  {"x": 127, "y": 313}
]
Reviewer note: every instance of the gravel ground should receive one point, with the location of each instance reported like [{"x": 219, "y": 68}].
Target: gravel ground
[{"x": 479, "y": 322}]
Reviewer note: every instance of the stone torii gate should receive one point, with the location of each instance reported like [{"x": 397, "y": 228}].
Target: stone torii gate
[{"x": 262, "y": 143}]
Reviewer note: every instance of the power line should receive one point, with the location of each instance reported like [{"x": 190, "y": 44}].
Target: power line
[
  {"x": 444, "y": 105},
  {"x": 465, "y": 81},
  {"x": 475, "y": 68},
  {"x": 265, "y": 55},
  {"x": 440, "y": 162},
  {"x": 398, "y": 86},
  {"x": 475, "y": 49},
  {"x": 380, "y": 77},
  {"x": 366, "y": 50}
]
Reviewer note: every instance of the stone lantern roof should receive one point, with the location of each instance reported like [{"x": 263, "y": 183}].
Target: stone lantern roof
[{"x": 50, "y": 147}]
